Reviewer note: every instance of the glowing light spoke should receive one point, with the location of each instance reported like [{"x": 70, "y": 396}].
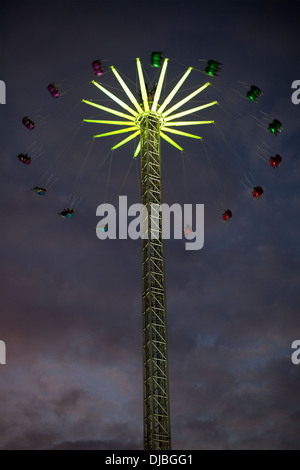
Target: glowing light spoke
[
  {"x": 137, "y": 150},
  {"x": 142, "y": 85},
  {"x": 109, "y": 110},
  {"x": 115, "y": 98},
  {"x": 174, "y": 91},
  {"x": 186, "y": 99},
  {"x": 190, "y": 111},
  {"x": 119, "y": 123},
  {"x": 132, "y": 136},
  {"x": 159, "y": 85},
  {"x": 126, "y": 89},
  {"x": 168, "y": 139},
  {"x": 119, "y": 131},
  {"x": 175, "y": 131},
  {"x": 187, "y": 123}
]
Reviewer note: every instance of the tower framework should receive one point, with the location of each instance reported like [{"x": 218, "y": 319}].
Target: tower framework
[
  {"x": 151, "y": 122},
  {"x": 157, "y": 434}
]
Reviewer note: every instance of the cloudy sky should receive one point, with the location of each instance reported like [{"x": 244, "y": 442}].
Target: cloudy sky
[{"x": 71, "y": 304}]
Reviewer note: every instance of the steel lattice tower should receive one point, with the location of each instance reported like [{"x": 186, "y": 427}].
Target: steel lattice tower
[
  {"x": 150, "y": 121},
  {"x": 155, "y": 346}
]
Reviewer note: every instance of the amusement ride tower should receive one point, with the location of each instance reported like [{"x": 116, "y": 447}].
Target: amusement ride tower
[{"x": 151, "y": 121}]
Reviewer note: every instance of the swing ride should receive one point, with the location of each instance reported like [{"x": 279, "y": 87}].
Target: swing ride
[
  {"x": 149, "y": 118},
  {"x": 135, "y": 118}
]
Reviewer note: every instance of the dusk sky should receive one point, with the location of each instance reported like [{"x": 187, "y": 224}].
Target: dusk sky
[{"x": 70, "y": 312}]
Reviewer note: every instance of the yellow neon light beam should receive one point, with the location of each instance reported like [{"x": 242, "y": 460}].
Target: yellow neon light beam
[
  {"x": 115, "y": 98},
  {"x": 126, "y": 89},
  {"x": 174, "y": 91},
  {"x": 119, "y": 123},
  {"x": 109, "y": 110},
  {"x": 137, "y": 150},
  {"x": 132, "y": 136},
  {"x": 119, "y": 131},
  {"x": 168, "y": 139},
  {"x": 187, "y": 123},
  {"x": 142, "y": 85},
  {"x": 159, "y": 85},
  {"x": 175, "y": 131},
  {"x": 186, "y": 99},
  {"x": 189, "y": 111}
]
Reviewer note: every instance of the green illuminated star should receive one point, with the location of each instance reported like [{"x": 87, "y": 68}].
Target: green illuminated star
[{"x": 167, "y": 120}]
